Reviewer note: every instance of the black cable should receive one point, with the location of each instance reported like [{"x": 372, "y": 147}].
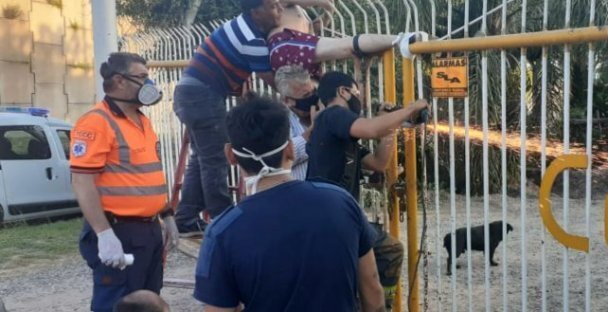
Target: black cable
[{"x": 424, "y": 218}]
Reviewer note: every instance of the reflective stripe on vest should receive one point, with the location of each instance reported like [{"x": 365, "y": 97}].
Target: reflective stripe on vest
[
  {"x": 123, "y": 147},
  {"x": 132, "y": 190},
  {"x": 125, "y": 165}
]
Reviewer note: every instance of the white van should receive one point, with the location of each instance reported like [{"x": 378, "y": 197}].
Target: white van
[{"x": 35, "y": 180}]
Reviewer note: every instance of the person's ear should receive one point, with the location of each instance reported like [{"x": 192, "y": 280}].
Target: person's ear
[
  {"x": 342, "y": 92},
  {"x": 230, "y": 154},
  {"x": 288, "y": 101},
  {"x": 118, "y": 81}
]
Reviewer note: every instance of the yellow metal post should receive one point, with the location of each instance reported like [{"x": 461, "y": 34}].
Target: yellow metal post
[
  {"x": 412, "y": 190},
  {"x": 390, "y": 95}
]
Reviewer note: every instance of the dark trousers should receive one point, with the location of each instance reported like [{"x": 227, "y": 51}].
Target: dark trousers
[
  {"x": 145, "y": 242},
  {"x": 205, "y": 186},
  {"x": 389, "y": 258}
]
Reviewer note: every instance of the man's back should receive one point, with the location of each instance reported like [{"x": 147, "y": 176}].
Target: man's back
[{"x": 294, "y": 247}]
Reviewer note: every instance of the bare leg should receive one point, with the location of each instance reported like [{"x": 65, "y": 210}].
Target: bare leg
[{"x": 329, "y": 49}]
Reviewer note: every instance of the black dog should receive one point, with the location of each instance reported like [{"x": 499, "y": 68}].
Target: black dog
[{"x": 477, "y": 241}]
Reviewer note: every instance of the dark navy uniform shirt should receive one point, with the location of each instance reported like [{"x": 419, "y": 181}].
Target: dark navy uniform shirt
[{"x": 294, "y": 247}]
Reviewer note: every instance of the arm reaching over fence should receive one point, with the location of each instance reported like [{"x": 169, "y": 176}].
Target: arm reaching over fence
[{"x": 292, "y": 42}]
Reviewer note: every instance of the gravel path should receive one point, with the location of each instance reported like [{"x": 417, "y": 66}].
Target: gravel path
[{"x": 66, "y": 286}]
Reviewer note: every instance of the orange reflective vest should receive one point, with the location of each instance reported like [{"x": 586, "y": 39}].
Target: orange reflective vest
[{"x": 126, "y": 157}]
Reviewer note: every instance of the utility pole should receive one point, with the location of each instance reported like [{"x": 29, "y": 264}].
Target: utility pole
[{"x": 105, "y": 38}]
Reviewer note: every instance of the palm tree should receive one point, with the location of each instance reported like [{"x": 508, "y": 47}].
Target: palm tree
[{"x": 554, "y": 74}]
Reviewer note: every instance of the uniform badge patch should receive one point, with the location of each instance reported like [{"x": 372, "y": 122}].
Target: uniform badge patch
[
  {"x": 79, "y": 148},
  {"x": 83, "y": 135}
]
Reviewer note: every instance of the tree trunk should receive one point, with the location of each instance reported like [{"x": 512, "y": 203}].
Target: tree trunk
[{"x": 190, "y": 15}]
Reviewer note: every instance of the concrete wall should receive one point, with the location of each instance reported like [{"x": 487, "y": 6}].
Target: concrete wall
[{"x": 46, "y": 59}]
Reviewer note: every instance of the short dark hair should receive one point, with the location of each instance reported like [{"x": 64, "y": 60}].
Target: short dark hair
[
  {"x": 117, "y": 63},
  {"x": 126, "y": 304},
  {"x": 259, "y": 125},
  {"x": 248, "y": 5},
  {"x": 329, "y": 84}
]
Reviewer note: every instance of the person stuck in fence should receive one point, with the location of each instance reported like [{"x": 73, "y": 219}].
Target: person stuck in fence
[
  {"x": 289, "y": 245},
  {"x": 336, "y": 156},
  {"x": 118, "y": 179},
  {"x": 293, "y": 41}
]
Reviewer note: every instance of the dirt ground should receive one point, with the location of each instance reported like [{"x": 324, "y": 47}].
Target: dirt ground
[
  {"x": 442, "y": 294},
  {"x": 66, "y": 285}
]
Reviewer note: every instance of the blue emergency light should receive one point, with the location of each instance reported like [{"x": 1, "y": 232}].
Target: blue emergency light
[{"x": 34, "y": 111}]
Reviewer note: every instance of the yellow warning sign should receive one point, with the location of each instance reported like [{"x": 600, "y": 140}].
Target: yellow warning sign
[{"x": 450, "y": 77}]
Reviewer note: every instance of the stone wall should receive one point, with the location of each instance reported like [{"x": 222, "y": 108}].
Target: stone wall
[{"x": 46, "y": 55}]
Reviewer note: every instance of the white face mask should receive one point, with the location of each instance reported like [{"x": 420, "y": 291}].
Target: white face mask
[{"x": 251, "y": 183}]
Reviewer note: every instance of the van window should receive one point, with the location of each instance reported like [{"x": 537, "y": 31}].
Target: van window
[
  {"x": 23, "y": 142},
  {"x": 64, "y": 137}
]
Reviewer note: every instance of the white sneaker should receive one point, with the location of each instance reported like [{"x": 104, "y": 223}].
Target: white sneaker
[{"x": 405, "y": 39}]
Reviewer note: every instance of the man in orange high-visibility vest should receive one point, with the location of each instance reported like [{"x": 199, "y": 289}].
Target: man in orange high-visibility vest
[{"x": 118, "y": 179}]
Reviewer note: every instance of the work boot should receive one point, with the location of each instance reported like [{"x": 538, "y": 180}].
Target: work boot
[{"x": 195, "y": 228}]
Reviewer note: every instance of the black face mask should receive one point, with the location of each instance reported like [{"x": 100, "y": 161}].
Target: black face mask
[
  {"x": 354, "y": 104},
  {"x": 306, "y": 103}
]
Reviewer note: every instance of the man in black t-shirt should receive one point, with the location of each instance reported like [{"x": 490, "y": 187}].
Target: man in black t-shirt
[{"x": 334, "y": 155}]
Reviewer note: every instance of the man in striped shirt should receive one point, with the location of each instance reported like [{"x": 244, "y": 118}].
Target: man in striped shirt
[{"x": 220, "y": 66}]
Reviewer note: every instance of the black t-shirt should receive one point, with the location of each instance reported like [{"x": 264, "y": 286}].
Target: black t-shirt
[{"x": 333, "y": 154}]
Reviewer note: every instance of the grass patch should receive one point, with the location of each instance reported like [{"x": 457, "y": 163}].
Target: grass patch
[{"x": 22, "y": 245}]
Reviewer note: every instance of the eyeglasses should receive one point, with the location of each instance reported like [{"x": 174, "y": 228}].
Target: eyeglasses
[
  {"x": 140, "y": 76},
  {"x": 355, "y": 93}
]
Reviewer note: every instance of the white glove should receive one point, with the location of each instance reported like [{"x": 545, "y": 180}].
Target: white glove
[
  {"x": 403, "y": 40},
  {"x": 110, "y": 249},
  {"x": 171, "y": 233}
]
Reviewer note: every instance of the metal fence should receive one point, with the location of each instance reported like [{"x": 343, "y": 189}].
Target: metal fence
[{"x": 487, "y": 153}]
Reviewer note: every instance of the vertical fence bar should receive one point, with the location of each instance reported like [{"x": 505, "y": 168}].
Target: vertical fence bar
[
  {"x": 378, "y": 31},
  {"x": 390, "y": 94},
  {"x": 438, "y": 244},
  {"x": 486, "y": 176},
  {"x": 452, "y": 178},
  {"x": 543, "y": 161},
  {"x": 467, "y": 170},
  {"x": 522, "y": 162},
  {"x": 503, "y": 150},
  {"x": 589, "y": 143},
  {"x": 566, "y": 197},
  {"x": 412, "y": 190}
]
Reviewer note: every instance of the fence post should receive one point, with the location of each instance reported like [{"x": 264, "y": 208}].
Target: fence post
[
  {"x": 412, "y": 191},
  {"x": 390, "y": 95}
]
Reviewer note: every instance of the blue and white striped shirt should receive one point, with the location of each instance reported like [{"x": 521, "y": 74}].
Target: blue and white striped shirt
[
  {"x": 229, "y": 55},
  {"x": 300, "y": 163}
]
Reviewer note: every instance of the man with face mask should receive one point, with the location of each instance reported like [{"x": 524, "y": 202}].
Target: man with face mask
[
  {"x": 336, "y": 156},
  {"x": 289, "y": 245},
  {"x": 118, "y": 179},
  {"x": 299, "y": 93}
]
